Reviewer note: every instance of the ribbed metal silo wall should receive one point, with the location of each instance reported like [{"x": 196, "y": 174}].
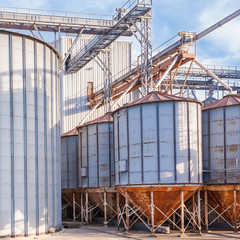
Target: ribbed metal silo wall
[
  {"x": 96, "y": 155},
  {"x": 158, "y": 143},
  {"x": 74, "y": 86},
  {"x": 30, "y": 136},
  {"x": 221, "y": 144},
  {"x": 69, "y": 158}
]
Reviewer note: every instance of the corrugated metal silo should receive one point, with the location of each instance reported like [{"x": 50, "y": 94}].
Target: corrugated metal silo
[
  {"x": 221, "y": 153},
  {"x": 69, "y": 159},
  {"x": 157, "y": 143},
  {"x": 30, "y": 189},
  {"x": 96, "y": 160}
]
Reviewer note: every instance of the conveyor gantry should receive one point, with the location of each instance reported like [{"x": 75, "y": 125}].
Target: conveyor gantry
[
  {"x": 55, "y": 21},
  {"x": 133, "y": 11}
]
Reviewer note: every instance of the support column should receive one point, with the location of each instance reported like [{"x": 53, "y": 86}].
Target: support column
[
  {"x": 199, "y": 211},
  {"x": 234, "y": 210},
  {"x": 118, "y": 211},
  {"x": 194, "y": 209},
  {"x": 127, "y": 212},
  {"x": 82, "y": 208},
  {"x": 87, "y": 207},
  {"x": 182, "y": 214},
  {"x": 105, "y": 208},
  {"x": 206, "y": 209},
  {"x": 74, "y": 208},
  {"x": 174, "y": 220},
  {"x": 152, "y": 211}
]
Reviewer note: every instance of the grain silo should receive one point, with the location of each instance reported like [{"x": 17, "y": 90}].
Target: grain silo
[
  {"x": 96, "y": 163},
  {"x": 30, "y": 189},
  {"x": 158, "y": 156},
  {"x": 221, "y": 154}
]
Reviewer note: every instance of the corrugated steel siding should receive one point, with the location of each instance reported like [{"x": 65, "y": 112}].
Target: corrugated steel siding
[
  {"x": 74, "y": 86},
  {"x": 30, "y": 200},
  {"x": 221, "y": 143},
  {"x": 96, "y": 155},
  {"x": 69, "y": 158},
  {"x": 159, "y": 143}
]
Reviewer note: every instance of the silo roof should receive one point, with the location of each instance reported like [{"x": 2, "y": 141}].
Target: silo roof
[
  {"x": 229, "y": 100},
  {"x": 158, "y": 97},
  {"x": 72, "y": 132},
  {"x": 103, "y": 119}
]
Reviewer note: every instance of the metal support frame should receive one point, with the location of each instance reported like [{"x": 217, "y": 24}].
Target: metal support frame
[
  {"x": 209, "y": 209},
  {"x": 134, "y": 213},
  {"x": 107, "y": 60},
  {"x": 214, "y": 76}
]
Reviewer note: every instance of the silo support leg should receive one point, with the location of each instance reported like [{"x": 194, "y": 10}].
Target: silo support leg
[
  {"x": 234, "y": 210},
  {"x": 118, "y": 211},
  {"x": 127, "y": 212},
  {"x": 105, "y": 207},
  {"x": 87, "y": 207},
  {"x": 82, "y": 210},
  {"x": 206, "y": 209},
  {"x": 182, "y": 214},
  {"x": 193, "y": 210},
  {"x": 152, "y": 212},
  {"x": 74, "y": 207},
  {"x": 174, "y": 221},
  {"x": 199, "y": 210}
]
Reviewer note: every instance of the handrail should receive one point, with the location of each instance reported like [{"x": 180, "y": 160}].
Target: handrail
[{"x": 55, "y": 13}]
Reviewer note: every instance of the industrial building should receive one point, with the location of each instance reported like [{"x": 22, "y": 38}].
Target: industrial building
[{"x": 89, "y": 134}]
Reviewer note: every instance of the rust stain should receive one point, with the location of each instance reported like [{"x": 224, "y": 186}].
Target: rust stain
[
  {"x": 232, "y": 148},
  {"x": 219, "y": 149}
]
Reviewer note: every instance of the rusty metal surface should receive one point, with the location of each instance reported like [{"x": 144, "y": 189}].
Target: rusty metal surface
[
  {"x": 165, "y": 198},
  {"x": 221, "y": 141},
  {"x": 158, "y": 97},
  {"x": 73, "y": 132},
  {"x": 158, "y": 142},
  {"x": 106, "y": 118},
  {"x": 229, "y": 100},
  {"x": 96, "y": 157},
  {"x": 223, "y": 196}
]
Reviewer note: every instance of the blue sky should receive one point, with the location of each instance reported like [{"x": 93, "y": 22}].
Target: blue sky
[{"x": 169, "y": 18}]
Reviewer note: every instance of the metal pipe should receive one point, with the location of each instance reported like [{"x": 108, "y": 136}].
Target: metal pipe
[
  {"x": 165, "y": 73},
  {"x": 213, "y": 76}
]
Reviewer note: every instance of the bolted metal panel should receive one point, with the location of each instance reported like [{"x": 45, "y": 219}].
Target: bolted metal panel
[
  {"x": 69, "y": 161},
  {"x": 164, "y": 144},
  {"x": 25, "y": 128},
  {"x": 221, "y": 143},
  {"x": 96, "y": 155},
  {"x": 75, "y": 104}
]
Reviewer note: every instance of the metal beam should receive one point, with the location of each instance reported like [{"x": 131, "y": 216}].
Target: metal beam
[{"x": 214, "y": 76}]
